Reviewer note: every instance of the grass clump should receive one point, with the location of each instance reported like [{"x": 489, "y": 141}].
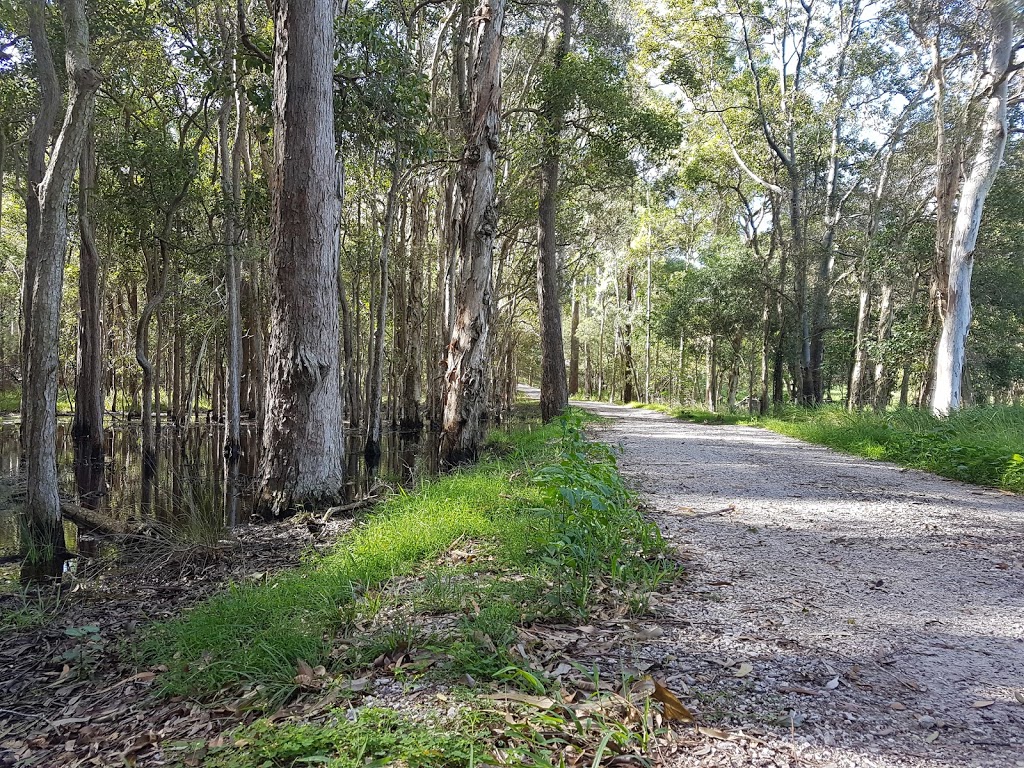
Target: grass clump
[
  {"x": 697, "y": 415},
  {"x": 552, "y": 530}
]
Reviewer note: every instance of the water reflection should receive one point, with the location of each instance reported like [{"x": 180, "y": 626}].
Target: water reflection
[{"x": 187, "y": 487}]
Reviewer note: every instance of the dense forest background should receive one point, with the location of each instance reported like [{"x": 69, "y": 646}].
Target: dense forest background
[{"x": 741, "y": 205}]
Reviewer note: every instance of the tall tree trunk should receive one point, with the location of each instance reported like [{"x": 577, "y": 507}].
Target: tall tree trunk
[
  {"x": 574, "y": 346},
  {"x": 647, "y": 340},
  {"x": 376, "y": 385},
  {"x": 554, "y": 392},
  {"x": 230, "y": 184},
  {"x": 711, "y": 380},
  {"x": 409, "y": 412},
  {"x": 156, "y": 288},
  {"x": 38, "y": 143},
  {"x": 303, "y": 442},
  {"x": 44, "y": 526},
  {"x": 855, "y": 396},
  {"x": 629, "y": 382},
  {"x": 87, "y": 427},
  {"x": 473, "y": 227},
  {"x": 600, "y": 347},
  {"x": 883, "y": 379},
  {"x": 988, "y": 153}
]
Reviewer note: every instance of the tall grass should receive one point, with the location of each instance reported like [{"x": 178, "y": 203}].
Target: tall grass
[{"x": 982, "y": 445}]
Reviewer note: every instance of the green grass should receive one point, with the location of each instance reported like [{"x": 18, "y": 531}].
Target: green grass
[
  {"x": 975, "y": 445},
  {"x": 550, "y": 523},
  {"x": 980, "y": 445},
  {"x": 375, "y": 737}
]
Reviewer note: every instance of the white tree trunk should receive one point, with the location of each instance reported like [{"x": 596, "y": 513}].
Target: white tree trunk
[{"x": 990, "y": 142}]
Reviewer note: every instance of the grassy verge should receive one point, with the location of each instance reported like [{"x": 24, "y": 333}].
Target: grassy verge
[
  {"x": 441, "y": 579},
  {"x": 984, "y": 445}
]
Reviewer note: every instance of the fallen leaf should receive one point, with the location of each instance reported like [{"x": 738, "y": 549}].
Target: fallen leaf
[
  {"x": 674, "y": 709},
  {"x": 981, "y": 703},
  {"x": 743, "y": 669},
  {"x": 832, "y": 684},
  {"x": 716, "y": 733},
  {"x": 540, "y": 702},
  {"x": 141, "y": 677},
  {"x": 931, "y": 737},
  {"x": 652, "y": 632}
]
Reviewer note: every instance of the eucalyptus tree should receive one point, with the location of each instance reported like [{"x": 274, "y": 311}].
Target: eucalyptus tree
[
  {"x": 992, "y": 46},
  {"x": 46, "y": 272},
  {"x": 303, "y": 447},
  {"x": 474, "y": 223}
]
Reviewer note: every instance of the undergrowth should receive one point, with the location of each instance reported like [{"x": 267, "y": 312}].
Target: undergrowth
[
  {"x": 542, "y": 528},
  {"x": 10, "y": 401},
  {"x": 980, "y": 445}
]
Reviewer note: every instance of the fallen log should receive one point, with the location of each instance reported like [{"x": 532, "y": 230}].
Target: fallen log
[{"x": 93, "y": 521}]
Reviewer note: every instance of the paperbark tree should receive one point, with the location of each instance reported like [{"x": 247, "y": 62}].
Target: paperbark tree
[
  {"x": 45, "y": 532},
  {"x": 303, "y": 442},
  {"x": 554, "y": 390},
  {"x": 410, "y": 417},
  {"x": 473, "y": 224},
  {"x": 988, "y": 146},
  {"x": 230, "y": 183}
]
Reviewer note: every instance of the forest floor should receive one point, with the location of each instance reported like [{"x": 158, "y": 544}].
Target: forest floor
[{"x": 838, "y": 611}]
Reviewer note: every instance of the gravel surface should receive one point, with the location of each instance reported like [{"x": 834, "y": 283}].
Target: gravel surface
[{"x": 837, "y": 611}]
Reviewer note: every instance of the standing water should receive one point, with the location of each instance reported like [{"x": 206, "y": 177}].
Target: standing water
[{"x": 188, "y": 491}]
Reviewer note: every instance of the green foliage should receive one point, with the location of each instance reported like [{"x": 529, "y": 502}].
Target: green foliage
[
  {"x": 10, "y": 401},
  {"x": 597, "y": 531}
]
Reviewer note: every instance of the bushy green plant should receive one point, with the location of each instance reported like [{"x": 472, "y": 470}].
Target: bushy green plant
[{"x": 597, "y": 530}]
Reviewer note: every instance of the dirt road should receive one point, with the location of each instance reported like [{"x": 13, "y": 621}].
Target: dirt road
[{"x": 840, "y": 612}]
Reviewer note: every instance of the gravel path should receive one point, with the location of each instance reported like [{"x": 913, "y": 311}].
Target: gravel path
[{"x": 837, "y": 611}]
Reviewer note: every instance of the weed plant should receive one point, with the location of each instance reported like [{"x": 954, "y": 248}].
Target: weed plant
[{"x": 373, "y": 737}]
